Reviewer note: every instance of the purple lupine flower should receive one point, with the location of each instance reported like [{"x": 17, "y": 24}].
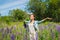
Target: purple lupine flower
[
  {"x": 36, "y": 36},
  {"x": 7, "y": 30},
  {"x": 41, "y": 27},
  {"x": 14, "y": 27},
  {"x": 2, "y": 29},
  {"x": 49, "y": 25},
  {"x": 12, "y": 37},
  {"x": 58, "y": 28}
]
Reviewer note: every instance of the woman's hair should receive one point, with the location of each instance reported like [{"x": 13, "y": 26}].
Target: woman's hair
[{"x": 32, "y": 14}]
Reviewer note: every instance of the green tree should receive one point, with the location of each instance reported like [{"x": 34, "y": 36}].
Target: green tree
[
  {"x": 17, "y": 14},
  {"x": 54, "y": 9},
  {"x": 45, "y": 8},
  {"x": 38, "y": 7}
]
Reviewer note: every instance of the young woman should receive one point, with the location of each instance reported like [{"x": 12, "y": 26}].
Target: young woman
[{"x": 32, "y": 26}]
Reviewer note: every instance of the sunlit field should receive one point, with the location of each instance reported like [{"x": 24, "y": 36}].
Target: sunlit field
[
  {"x": 16, "y": 31},
  {"x": 15, "y": 13}
]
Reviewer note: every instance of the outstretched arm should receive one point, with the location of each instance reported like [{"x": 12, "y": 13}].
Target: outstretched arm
[{"x": 44, "y": 19}]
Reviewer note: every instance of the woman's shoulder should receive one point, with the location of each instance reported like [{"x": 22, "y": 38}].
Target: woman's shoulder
[
  {"x": 27, "y": 21},
  {"x": 36, "y": 21}
]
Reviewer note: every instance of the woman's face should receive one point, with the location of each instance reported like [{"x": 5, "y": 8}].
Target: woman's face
[{"x": 32, "y": 17}]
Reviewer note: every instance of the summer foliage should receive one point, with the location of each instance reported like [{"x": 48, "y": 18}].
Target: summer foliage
[
  {"x": 45, "y": 8},
  {"x": 15, "y": 31},
  {"x": 18, "y": 14},
  {"x": 12, "y": 28}
]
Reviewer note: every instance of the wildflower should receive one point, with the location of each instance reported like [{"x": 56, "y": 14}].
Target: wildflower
[
  {"x": 12, "y": 37},
  {"x": 58, "y": 28}
]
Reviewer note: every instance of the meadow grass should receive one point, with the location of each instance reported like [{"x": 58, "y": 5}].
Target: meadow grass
[{"x": 16, "y": 31}]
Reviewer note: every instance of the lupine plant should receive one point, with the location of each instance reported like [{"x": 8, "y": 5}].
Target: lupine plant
[{"x": 47, "y": 31}]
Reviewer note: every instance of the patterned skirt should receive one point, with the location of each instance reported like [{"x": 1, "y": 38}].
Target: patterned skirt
[{"x": 34, "y": 36}]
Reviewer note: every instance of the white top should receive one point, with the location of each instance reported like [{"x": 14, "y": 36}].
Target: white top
[{"x": 31, "y": 28}]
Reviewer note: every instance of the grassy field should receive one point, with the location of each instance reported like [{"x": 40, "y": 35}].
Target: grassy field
[{"x": 16, "y": 31}]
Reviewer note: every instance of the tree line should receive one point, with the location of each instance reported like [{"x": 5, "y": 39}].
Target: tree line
[
  {"x": 45, "y": 8},
  {"x": 41, "y": 9}
]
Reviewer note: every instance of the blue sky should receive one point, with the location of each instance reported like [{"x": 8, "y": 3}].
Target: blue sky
[{"x": 6, "y": 5}]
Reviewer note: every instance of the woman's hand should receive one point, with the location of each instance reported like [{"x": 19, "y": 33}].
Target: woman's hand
[
  {"x": 49, "y": 18},
  {"x": 46, "y": 19}
]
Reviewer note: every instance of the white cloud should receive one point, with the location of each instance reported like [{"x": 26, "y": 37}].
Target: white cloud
[
  {"x": 5, "y": 11},
  {"x": 13, "y": 7},
  {"x": 21, "y": 2}
]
